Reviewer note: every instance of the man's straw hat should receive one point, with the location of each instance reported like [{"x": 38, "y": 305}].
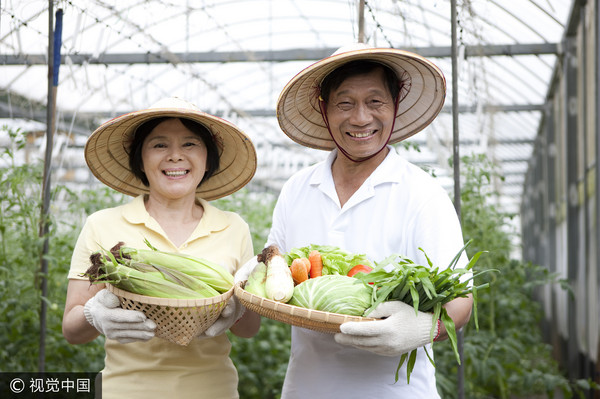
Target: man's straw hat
[
  {"x": 422, "y": 95},
  {"x": 107, "y": 150}
]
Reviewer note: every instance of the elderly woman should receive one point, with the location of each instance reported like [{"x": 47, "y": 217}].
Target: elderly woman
[{"x": 173, "y": 159}]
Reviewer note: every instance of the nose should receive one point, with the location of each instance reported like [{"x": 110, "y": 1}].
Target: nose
[
  {"x": 175, "y": 154},
  {"x": 361, "y": 115}
]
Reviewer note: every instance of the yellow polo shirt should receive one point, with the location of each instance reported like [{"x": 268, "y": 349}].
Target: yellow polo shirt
[{"x": 158, "y": 368}]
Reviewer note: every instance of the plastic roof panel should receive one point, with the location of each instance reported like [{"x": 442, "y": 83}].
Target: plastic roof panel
[{"x": 500, "y": 96}]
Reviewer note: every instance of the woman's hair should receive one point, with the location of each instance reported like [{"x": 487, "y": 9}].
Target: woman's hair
[
  {"x": 140, "y": 134},
  {"x": 359, "y": 67}
]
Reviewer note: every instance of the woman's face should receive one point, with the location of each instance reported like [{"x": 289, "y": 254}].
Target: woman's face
[
  {"x": 174, "y": 160},
  {"x": 360, "y": 114}
]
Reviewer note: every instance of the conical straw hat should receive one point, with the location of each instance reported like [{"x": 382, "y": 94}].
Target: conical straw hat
[
  {"x": 107, "y": 150},
  {"x": 422, "y": 95}
]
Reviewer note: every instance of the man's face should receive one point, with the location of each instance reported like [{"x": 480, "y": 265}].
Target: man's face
[{"x": 360, "y": 114}]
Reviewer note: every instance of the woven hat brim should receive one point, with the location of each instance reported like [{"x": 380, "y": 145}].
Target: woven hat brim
[
  {"x": 299, "y": 114},
  {"x": 106, "y": 153}
]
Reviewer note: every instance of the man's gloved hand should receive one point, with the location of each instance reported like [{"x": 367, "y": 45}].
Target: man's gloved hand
[
  {"x": 233, "y": 311},
  {"x": 401, "y": 332},
  {"x": 103, "y": 311},
  {"x": 244, "y": 272}
]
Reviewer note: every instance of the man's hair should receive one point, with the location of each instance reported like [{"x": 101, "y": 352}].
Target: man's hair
[
  {"x": 359, "y": 67},
  {"x": 140, "y": 134}
]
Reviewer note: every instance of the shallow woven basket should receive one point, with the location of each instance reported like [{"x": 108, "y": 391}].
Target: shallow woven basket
[
  {"x": 177, "y": 320},
  {"x": 316, "y": 320}
]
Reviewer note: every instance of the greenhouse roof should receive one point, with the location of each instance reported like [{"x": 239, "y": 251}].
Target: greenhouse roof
[{"x": 232, "y": 59}]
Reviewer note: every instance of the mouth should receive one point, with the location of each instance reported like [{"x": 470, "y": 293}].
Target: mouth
[
  {"x": 176, "y": 173},
  {"x": 362, "y": 135}
]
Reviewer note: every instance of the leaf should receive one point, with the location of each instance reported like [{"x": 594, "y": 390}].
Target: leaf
[
  {"x": 451, "y": 331},
  {"x": 400, "y": 363},
  {"x": 411, "y": 364},
  {"x": 474, "y": 292}
]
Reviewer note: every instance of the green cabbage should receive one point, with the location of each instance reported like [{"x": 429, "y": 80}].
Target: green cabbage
[{"x": 333, "y": 293}]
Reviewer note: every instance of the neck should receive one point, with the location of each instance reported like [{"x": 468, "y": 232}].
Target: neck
[
  {"x": 181, "y": 210},
  {"x": 345, "y": 166}
]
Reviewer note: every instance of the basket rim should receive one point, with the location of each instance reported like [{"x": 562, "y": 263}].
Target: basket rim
[
  {"x": 293, "y": 314},
  {"x": 174, "y": 302}
]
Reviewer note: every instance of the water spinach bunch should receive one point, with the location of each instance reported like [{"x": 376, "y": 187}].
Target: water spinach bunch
[{"x": 426, "y": 288}]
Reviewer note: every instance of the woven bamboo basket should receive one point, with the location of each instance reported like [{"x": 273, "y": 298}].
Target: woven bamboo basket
[
  {"x": 316, "y": 320},
  {"x": 177, "y": 320}
]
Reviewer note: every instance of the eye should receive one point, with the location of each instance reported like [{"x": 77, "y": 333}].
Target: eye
[
  {"x": 376, "y": 103},
  {"x": 159, "y": 145},
  {"x": 344, "y": 105}
]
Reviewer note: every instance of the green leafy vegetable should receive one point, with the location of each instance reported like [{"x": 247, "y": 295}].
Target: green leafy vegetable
[{"x": 426, "y": 288}]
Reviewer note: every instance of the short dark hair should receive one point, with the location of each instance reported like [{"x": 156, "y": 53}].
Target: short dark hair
[
  {"x": 359, "y": 67},
  {"x": 140, "y": 134}
]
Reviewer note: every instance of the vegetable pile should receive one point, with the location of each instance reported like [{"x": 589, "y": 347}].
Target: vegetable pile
[
  {"x": 156, "y": 273},
  {"x": 330, "y": 279},
  {"x": 314, "y": 277}
]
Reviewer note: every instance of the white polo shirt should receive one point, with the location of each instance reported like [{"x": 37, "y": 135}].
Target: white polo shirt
[{"x": 398, "y": 209}]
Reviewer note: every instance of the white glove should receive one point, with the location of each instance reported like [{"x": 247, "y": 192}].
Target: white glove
[
  {"x": 233, "y": 311},
  {"x": 401, "y": 332},
  {"x": 244, "y": 272},
  {"x": 103, "y": 311}
]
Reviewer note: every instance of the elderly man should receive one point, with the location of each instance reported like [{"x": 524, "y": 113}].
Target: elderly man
[{"x": 365, "y": 198}]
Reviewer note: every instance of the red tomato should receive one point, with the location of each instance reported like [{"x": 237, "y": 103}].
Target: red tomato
[{"x": 359, "y": 269}]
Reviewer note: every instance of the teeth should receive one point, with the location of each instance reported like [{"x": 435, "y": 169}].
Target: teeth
[
  {"x": 360, "y": 135},
  {"x": 175, "y": 172}
]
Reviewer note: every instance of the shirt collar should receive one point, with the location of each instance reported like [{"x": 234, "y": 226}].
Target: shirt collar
[
  {"x": 386, "y": 172},
  {"x": 212, "y": 219}
]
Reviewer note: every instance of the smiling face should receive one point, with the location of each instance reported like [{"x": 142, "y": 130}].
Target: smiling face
[
  {"x": 360, "y": 112},
  {"x": 174, "y": 160}
]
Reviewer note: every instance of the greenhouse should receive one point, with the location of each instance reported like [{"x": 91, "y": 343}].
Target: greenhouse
[{"x": 515, "y": 145}]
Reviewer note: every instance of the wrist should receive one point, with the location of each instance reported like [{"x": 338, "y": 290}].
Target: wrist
[
  {"x": 87, "y": 312},
  {"x": 439, "y": 330}
]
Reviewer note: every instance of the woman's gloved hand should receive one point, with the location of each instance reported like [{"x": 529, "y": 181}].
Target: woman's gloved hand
[
  {"x": 401, "y": 331},
  {"x": 232, "y": 312},
  {"x": 244, "y": 272},
  {"x": 103, "y": 312}
]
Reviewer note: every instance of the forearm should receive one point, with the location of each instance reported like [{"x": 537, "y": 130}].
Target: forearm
[
  {"x": 247, "y": 326},
  {"x": 459, "y": 311},
  {"x": 76, "y": 329}
]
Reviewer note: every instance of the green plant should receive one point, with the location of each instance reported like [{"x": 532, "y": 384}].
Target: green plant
[
  {"x": 255, "y": 208},
  {"x": 20, "y": 251},
  {"x": 507, "y": 356}
]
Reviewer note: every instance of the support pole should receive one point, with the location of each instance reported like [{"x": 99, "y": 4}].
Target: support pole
[
  {"x": 54, "y": 44},
  {"x": 361, "y": 21},
  {"x": 456, "y": 164}
]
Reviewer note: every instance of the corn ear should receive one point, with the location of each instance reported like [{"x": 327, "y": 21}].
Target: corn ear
[
  {"x": 150, "y": 284},
  {"x": 179, "y": 278},
  {"x": 145, "y": 279},
  {"x": 210, "y": 273}
]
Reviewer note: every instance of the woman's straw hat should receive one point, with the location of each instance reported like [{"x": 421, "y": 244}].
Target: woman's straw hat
[
  {"x": 107, "y": 150},
  {"x": 422, "y": 95}
]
